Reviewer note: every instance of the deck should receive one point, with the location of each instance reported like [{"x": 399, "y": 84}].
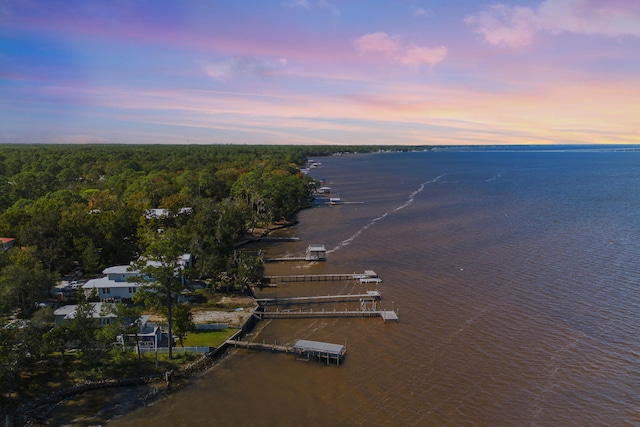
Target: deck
[{"x": 311, "y": 314}]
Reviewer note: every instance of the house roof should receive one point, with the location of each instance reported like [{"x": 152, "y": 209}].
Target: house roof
[
  {"x": 69, "y": 311},
  {"x": 120, "y": 269},
  {"x": 104, "y": 282},
  {"x": 6, "y": 239}
]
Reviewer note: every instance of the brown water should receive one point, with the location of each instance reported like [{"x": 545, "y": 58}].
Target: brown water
[{"x": 516, "y": 279}]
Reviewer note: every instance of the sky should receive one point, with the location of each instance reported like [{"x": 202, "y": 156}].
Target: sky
[{"x": 402, "y": 72}]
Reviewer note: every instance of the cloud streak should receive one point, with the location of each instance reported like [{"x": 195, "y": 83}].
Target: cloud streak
[{"x": 230, "y": 68}]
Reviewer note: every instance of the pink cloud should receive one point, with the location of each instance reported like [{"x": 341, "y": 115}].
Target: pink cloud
[
  {"x": 505, "y": 25},
  {"x": 604, "y": 17},
  {"x": 418, "y": 55},
  {"x": 378, "y": 42},
  {"x": 394, "y": 49},
  {"x": 517, "y": 26}
]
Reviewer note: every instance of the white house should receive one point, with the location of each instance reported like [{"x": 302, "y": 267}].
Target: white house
[
  {"x": 115, "y": 285},
  {"x": 119, "y": 281}
]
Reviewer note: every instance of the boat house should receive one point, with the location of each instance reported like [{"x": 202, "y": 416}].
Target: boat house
[{"x": 316, "y": 253}]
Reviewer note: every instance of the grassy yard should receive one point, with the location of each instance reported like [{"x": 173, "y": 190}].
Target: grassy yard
[{"x": 208, "y": 338}]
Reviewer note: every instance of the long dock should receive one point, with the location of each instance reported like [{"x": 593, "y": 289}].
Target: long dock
[
  {"x": 302, "y": 349},
  {"x": 310, "y": 314},
  {"x": 288, "y": 258},
  {"x": 279, "y": 239},
  {"x": 369, "y": 276},
  {"x": 369, "y": 296}
]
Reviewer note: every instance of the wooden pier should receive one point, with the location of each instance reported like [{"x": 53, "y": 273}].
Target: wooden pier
[
  {"x": 369, "y": 296},
  {"x": 310, "y": 314},
  {"x": 279, "y": 239},
  {"x": 366, "y": 277},
  {"x": 302, "y": 349},
  {"x": 284, "y": 259}
]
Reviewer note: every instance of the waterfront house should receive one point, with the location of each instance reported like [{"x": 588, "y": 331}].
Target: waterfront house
[
  {"x": 116, "y": 285},
  {"x": 149, "y": 334},
  {"x": 316, "y": 253},
  {"x": 99, "y": 313},
  {"x": 119, "y": 282}
]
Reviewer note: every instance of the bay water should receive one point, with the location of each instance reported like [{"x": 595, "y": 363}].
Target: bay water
[{"x": 516, "y": 277}]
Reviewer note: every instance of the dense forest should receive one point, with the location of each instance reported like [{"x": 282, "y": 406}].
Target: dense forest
[
  {"x": 88, "y": 206},
  {"x": 81, "y": 208}
]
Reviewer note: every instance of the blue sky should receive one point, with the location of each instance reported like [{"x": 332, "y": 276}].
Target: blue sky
[{"x": 319, "y": 72}]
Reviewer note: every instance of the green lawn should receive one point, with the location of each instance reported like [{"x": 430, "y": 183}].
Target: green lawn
[{"x": 208, "y": 338}]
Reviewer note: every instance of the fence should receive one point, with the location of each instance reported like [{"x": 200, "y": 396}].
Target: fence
[
  {"x": 176, "y": 350},
  {"x": 212, "y": 327}
]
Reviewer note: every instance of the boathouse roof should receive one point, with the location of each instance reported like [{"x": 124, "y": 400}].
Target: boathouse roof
[{"x": 317, "y": 346}]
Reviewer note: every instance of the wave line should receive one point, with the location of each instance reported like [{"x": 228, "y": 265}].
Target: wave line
[{"x": 409, "y": 201}]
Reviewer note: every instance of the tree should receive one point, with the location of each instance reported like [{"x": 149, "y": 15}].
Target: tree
[
  {"x": 12, "y": 357},
  {"x": 183, "y": 321},
  {"x": 24, "y": 282},
  {"x": 161, "y": 268},
  {"x": 250, "y": 268},
  {"x": 83, "y": 329},
  {"x": 126, "y": 324},
  {"x": 20, "y": 350},
  {"x": 213, "y": 230},
  {"x": 57, "y": 339}
]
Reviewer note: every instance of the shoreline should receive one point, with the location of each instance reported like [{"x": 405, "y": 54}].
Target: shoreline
[
  {"x": 148, "y": 390},
  {"x": 153, "y": 387}
]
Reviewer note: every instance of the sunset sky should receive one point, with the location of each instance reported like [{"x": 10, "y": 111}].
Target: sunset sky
[{"x": 405, "y": 72}]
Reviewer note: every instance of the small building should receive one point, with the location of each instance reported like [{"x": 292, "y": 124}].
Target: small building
[
  {"x": 7, "y": 243},
  {"x": 321, "y": 350},
  {"x": 316, "y": 253},
  {"x": 369, "y": 276}
]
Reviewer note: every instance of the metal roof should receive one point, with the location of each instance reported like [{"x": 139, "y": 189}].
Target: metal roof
[
  {"x": 316, "y": 247},
  {"x": 324, "y": 347}
]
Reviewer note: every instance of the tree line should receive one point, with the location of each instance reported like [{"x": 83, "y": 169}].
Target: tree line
[{"x": 87, "y": 207}]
